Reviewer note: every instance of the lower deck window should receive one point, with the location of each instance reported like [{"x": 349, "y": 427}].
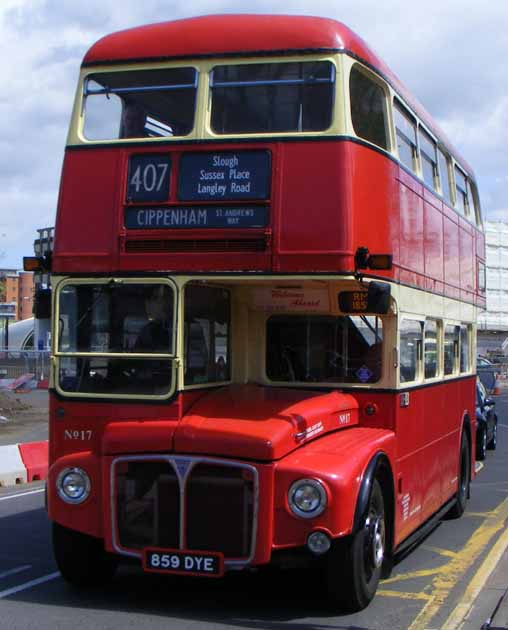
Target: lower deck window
[
  {"x": 206, "y": 335},
  {"x": 324, "y": 349}
]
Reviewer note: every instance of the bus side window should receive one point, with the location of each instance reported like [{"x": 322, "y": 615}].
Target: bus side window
[
  {"x": 405, "y": 128},
  {"x": 451, "y": 349},
  {"x": 410, "y": 349},
  {"x": 430, "y": 349},
  {"x": 444, "y": 176},
  {"x": 461, "y": 196},
  {"x": 465, "y": 348},
  {"x": 428, "y": 157},
  {"x": 368, "y": 108}
]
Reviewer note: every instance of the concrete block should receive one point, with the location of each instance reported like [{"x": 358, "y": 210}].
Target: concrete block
[{"x": 12, "y": 468}]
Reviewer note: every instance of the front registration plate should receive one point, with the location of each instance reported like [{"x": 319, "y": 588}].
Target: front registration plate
[{"x": 202, "y": 563}]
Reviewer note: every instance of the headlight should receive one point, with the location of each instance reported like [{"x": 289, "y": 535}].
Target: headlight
[
  {"x": 73, "y": 485},
  {"x": 307, "y": 498}
]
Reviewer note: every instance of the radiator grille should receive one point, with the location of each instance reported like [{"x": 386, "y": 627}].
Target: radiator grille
[
  {"x": 195, "y": 245},
  {"x": 218, "y": 503}
]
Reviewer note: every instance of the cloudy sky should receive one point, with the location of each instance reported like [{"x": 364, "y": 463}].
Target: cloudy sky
[{"x": 452, "y": 54}]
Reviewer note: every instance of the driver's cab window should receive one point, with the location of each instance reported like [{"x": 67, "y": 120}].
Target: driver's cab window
[{"x": 206, "y": 335}]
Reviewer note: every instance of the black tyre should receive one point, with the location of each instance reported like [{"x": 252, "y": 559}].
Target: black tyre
[
  {"x": 492, "y": 445},
  {"x": 354, "y": 563},
  {"x": 481, "y": 444},
  {"x": 464, "y": 479},
  {"x": 81, "y": 559}
]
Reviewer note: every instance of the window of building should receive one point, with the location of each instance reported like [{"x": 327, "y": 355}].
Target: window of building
[
  {"x": 206, "y": 335},
  {"x": 405, "y": 128},
  {"x": 461, "y": 197},
  {"x": 324, "y": 349},
  {"x": 465, "y": 345},
  {"x": 368, "y": 108},
  {"x": 430, "y": 349},
  {"x": 481, "y": 276},
  {"x": 272, "y": 97},
  {"x": 451, "y": 349},
  {"x": 444, "y": 176},
  {"x": 410, "y": 349},
  {"x": 428, "y": 153},
  {"x": 140, "y": 103}
]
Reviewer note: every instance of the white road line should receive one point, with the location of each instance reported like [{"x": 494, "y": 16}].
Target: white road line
[
  {"x": 503, "y": 425},
  {"x": 21, "y": 494},
  {"x": 27, "y": 585},
  {"x": 25, "y": 567}
]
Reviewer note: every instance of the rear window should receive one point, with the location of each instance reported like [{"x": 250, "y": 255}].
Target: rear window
[
  {"x": 139, "y": 104},
  {"x": 272, "y": 97}
]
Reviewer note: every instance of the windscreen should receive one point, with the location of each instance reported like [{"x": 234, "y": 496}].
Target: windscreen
[
  {"x": 127, "y": 320},
  {"x": 272, "y": 97},
  {"x": 324, "y": 349},
  {"x": 139, "y": 104}
]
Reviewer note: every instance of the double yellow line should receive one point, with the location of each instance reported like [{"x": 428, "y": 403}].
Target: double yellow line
[{"x": 449, "y": 575}]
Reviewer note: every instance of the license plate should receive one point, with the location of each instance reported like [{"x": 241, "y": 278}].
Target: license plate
[{"x": 202, "y": 563}]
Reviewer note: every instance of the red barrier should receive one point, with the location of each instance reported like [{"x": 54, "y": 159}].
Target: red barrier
[{"x": 35, "y": 457}]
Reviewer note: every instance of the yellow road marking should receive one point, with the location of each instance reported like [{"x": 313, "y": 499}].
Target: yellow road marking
[
  {"x": 402, "y": 595},
  {"x": 481, "y": 514},
  {"x": 412, "y": 575},
  {"x": 451, "y": 573},
  {"x": 442, "y": 552},
  {"x": 462, "y": 609}
]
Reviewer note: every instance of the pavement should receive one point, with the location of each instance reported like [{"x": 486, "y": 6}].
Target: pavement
[{"x": 24, "y": 458}]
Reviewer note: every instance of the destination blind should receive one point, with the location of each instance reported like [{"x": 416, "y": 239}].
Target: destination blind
[
  {"x": 196, "y": 217},
  {"x": 219, "y": 176}
]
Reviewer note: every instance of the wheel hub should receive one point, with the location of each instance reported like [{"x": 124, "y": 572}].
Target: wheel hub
[{"x": 376, "y": 527}]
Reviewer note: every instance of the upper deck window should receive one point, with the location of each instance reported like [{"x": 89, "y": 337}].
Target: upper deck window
[
  {"x": 405, "y": 126},
  {"x": 462, "y": 199},
  {"x": 140, "y": 104},
  {"x": 368, "y": 108},
  {"x": 272, "y": 97},
  {"x": 444, "y": 176},
  {"x": 429, "y": 158}
]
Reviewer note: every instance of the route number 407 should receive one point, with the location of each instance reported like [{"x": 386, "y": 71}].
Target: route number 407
[{"x": 148, "y": 178}]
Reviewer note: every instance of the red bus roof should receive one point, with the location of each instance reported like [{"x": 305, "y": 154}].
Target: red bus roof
[{"x": 235, "y": 35}]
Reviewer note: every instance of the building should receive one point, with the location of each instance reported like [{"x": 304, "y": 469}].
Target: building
[
  {"x": 493, "y": 323},
  {"x": 17, "y": 290}
]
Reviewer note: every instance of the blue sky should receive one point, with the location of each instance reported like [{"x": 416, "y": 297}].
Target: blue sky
[{"x": 451, "y": 55}]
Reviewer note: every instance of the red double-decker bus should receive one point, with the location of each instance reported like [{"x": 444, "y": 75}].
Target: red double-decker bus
[{"x": 267, "y": 267}]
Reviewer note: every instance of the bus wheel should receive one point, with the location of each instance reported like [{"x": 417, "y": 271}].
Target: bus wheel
[
  {"x": 81, "y": 559},
  {"x": 354, "y": 564},
  {"x": 464, "y": 479}
]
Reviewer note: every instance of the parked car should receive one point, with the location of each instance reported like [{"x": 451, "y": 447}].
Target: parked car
[
  {"x": 486, "y": 422},
  {"x": 488, "y": 374}
]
